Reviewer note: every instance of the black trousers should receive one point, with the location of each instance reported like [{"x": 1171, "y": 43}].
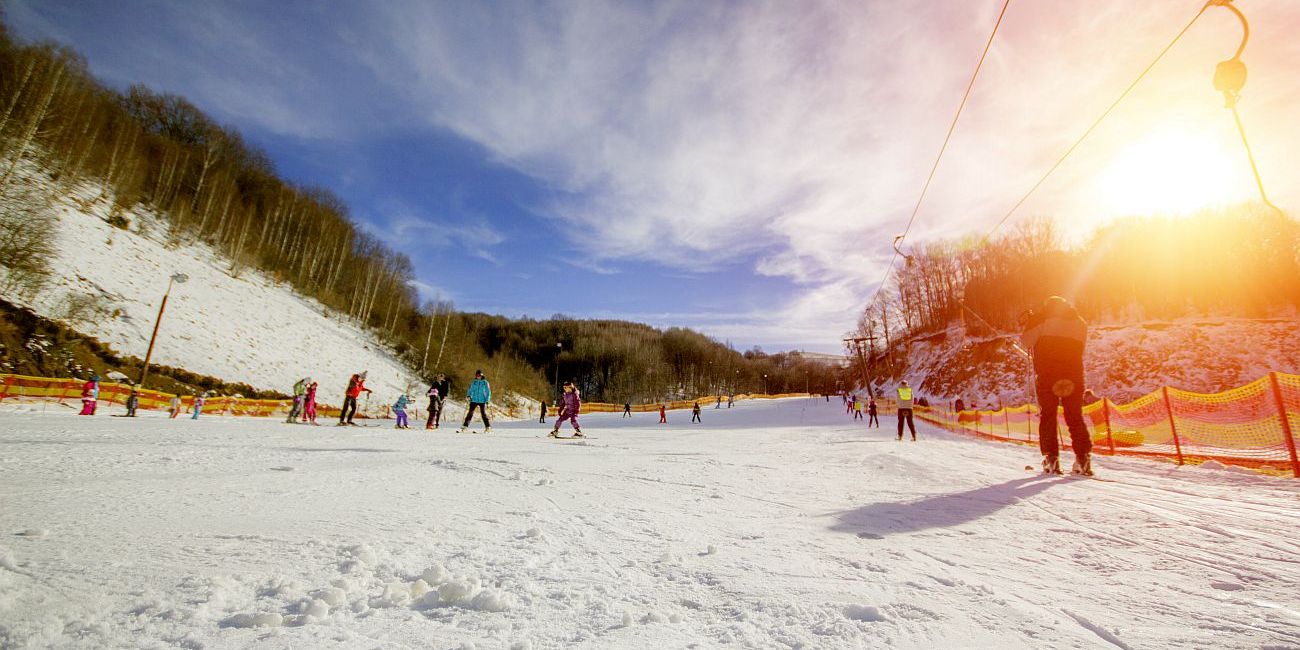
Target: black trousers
[
  {"x": 1072, "y": 404},
  {"x": 345, "y": 415},
  {"x": 905, "y": 414},
  {"x": 871, "y": 417},
  {"x": 435, "y": 411},
  {"x": 695, "y": 417},
  {"x": 482, "y": 410}
]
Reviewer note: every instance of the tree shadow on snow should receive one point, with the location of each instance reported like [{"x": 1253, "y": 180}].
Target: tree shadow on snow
[{"x": 877, "y": 520}]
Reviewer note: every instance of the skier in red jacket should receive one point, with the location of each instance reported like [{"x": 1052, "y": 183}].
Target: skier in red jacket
[{"x": 356, "y": 385}]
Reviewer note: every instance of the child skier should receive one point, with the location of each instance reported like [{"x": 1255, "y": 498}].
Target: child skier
[
  {"x": 399, "y": 408},
  {"x": 438, "y": 393},
  {"x": 627, "y": 409},
  {"x": 569, "y": 408},
  {"x": 198, "y": 405},
  {"x": 871, "y": 414},
  {"x": 695, "y": 413},
  {"x": 132, "y": 402},
  {"x": 309, "y": 404},
  {"x": 857, "y": 409},
  {"x": 175, "y": 406},
  {"x": 299, "y": 389},
  {"x": 663, "y": 415},
  {"x": 89, "y": 395}
]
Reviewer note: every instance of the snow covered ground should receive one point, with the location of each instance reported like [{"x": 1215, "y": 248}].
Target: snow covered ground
[
  {"x": 774, "y": 524},
  {"x": 240, "y": 329}
]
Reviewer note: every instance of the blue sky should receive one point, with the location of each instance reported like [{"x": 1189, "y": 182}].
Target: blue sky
[{"x": 736, "y": 167}]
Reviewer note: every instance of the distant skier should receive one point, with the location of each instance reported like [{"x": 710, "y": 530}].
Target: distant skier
[
  {"x": 198, "y": 405},
  {"x": 848, "y": 403},
  {"x": 905, "y": 409},
  {"x": 479, "y": 394},
  {"x": 959, "y": 405},
  {"x": 541, "y": 419},
  {"x": 872, "y": 420},
  {"x": 857, "y": 409},
  {"x": 570, "y": 405},
  {"x": 89, "y": 395},
  {"x": 663, "y": 415},
  {"x": 309, "y": 404},
  {"x": 627, "y": 409},
  {"x": 299, "y": 389},
  {"x": 695, "y": 413},
  {"x": 1055, "y": 336},
  {"x": 356, "y": 384},
  {"x": 731, "y": 399},
  {"x": 719, "y": 404},
  {"x": 438, "y": 392},
  {"x": 132, "y": 402},
  {"x": 175, "y": 407},
  {"x": 399, "y": 409}
]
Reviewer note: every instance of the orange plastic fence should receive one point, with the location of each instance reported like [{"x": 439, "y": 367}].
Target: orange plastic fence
[
  {"x": 49, "y": 388},
  {"x": 1253, "y": 425}
]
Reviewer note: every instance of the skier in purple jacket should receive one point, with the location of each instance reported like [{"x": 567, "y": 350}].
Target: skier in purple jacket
[{"x": 569, "y": 408}]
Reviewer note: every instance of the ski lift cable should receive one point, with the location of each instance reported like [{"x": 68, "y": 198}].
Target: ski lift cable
[
  {"x": 1087, "y": 132},
  {"x": 1097, "y": 122},
  {"x": 942, "y": 148}
]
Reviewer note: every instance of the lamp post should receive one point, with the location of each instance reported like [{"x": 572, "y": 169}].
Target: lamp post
[
  {"x": 764, "y": 383},
  {"x": 177, "y": 278}
]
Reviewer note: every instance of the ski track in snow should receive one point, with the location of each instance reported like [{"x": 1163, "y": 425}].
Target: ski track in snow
[{"x": 762, "y": 527}]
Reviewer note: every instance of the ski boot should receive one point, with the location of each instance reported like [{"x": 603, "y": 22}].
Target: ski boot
[
  {"x": 462, "y": 430},
  {"x": 1082, "y": 465},
  {"x": 578, "y": 434},
  {"x": 555, "y": 433},
  {"x": 1051, "y": 465},
  {"x": 487, "y": 430}
]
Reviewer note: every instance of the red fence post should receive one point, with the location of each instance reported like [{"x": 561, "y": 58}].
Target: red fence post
[
  {"x": 1105, "y": 414},
  {"x": 1169, "y": 408},
  {"x": 4, "y": 392},
  {"x": 1286, "y": 423}
]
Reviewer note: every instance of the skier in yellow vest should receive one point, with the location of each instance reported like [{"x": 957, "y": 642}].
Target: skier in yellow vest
[{"x": 905, "y": 409}]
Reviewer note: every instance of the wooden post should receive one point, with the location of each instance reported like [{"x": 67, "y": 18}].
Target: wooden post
[
  {"x": 4, "y": 392},
  {"x": 1006, "y": 421},
  {"x": 1029, "y": 424},
  {"x": 1286, "y": 423},
  {"x": 1105, "y": 412},
  {"x": 1169, "y": 408}
]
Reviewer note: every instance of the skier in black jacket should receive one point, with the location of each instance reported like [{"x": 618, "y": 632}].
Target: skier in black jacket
[{"x": 1055, "y": 336}]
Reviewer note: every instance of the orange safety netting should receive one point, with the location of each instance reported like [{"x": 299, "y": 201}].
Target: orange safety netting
[
  {"x": 1253, "y": 425},
  {"x": 55, "y": 389}
]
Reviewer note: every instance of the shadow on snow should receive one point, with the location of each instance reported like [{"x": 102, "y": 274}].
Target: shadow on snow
[{"x": 876, "y": 520}]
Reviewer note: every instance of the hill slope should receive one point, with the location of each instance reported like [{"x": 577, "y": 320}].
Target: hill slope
[
  {"x": 1122, "y": 361},
  {"x": 108, "y": 283}
]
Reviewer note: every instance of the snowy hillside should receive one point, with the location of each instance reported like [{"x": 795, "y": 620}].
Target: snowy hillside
[
  {"x": 247, "y": 329},
  {"x": 777, "y": 524},
  {"x": 1122, "y": 361}
]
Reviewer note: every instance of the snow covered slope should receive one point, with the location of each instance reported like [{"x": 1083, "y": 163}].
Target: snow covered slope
[
  {"x": 1123, "y": 361},
  {"x": 246, "y": 329},
  {"x": 771, "y": 525}
]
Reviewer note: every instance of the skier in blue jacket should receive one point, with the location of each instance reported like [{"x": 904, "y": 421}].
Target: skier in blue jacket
[{"x": 480, "y": 393}]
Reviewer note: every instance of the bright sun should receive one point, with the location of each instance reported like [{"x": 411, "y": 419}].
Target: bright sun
[{"x": 1170, "y": 172}]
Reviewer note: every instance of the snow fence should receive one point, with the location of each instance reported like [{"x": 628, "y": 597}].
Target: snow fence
[
  {"x": 63, "y": 390},
  {"x": 1253, "y": 425}
]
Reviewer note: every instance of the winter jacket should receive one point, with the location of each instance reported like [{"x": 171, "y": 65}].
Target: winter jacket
[
  {"x": 356, "y": 385},
  {"x": 904, "y": 397},
  {"x": 572, "y": 404},
  {"x": 443, "y": 387},
  {"x": 89, "y": 389},
  {"x": 1055, "y": 336},
  {"x": 300, "y": 387},
  {"x": 480, "y": 392},
  {"x": 401, "y": 403}
]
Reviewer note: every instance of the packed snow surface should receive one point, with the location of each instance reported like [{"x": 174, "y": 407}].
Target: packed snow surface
[{"x": 772, "y": 524}]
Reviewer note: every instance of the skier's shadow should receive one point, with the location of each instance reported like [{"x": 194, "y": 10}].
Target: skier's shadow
[{"x": 877, "y": 520}]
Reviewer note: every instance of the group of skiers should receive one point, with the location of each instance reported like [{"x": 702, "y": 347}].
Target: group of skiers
[
  {"x": 855, "y": 405},
  {"x": 90, "y": 400}
]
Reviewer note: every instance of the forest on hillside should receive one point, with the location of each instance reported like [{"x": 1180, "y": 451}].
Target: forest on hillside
[
  {"x": 1236, "y": 261},
  {"x": 157, "y": 152}
]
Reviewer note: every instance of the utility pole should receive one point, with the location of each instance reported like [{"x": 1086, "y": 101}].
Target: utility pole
[
  {"x": 177, "y": 278},
  {"x": 857, "y": 346}
]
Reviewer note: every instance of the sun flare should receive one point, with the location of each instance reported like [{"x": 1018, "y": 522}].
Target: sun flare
[{"x": 1170, "y": 172}]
